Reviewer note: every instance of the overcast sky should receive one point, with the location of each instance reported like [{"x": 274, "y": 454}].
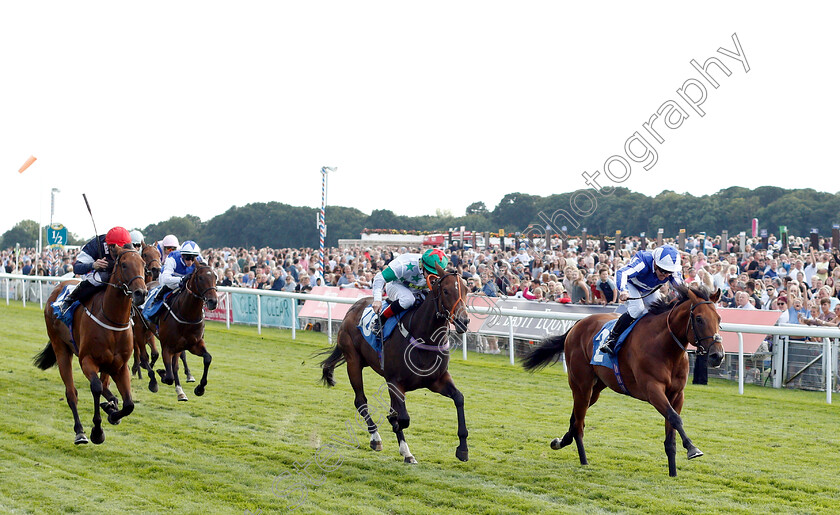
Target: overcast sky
[{"x": 160, "y": 109}]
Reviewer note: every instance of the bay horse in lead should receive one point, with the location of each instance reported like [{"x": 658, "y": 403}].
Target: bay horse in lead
[{"x": 652, "y": 362}]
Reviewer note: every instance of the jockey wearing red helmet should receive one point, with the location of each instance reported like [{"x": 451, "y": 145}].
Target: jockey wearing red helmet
[{"x": 94, "y": 263}]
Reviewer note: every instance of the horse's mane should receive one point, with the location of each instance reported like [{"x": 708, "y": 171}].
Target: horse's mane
[{"x": 662, "y": 305}]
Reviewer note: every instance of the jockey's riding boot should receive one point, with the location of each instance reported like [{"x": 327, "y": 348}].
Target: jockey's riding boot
[
  {"x": 80, "y": 293},
  {"x": 393, "y": 309},
  {"x": 163, "y": 291},
  {"x": 621, "y": 325}
]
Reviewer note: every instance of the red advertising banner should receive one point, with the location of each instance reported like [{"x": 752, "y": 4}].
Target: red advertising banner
[
  {"x": 221, "y": 312},
  {"x": 318, "y": 309}
]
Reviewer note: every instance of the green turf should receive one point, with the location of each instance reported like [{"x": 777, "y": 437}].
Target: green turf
[{"x": 766, "y": 451}]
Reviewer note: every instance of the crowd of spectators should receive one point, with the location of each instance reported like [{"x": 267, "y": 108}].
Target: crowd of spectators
[{"x": 801, "y": 281}]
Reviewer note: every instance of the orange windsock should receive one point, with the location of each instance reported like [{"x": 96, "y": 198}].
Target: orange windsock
[{"x": 27, "y": 164}]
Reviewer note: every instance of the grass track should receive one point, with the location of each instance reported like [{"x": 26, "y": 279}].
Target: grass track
[{"x": 769, "y": 450}]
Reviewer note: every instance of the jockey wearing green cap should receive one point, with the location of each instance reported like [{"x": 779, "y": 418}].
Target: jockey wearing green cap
[{"x": 402, "y": 279}]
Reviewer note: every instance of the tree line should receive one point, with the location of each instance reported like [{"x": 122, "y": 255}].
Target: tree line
[{"x": 274, "y": 224}]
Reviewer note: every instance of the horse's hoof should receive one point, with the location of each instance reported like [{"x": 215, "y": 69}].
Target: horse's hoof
[
  {"x": 190, "y": 379},
  {"x": 376, "y": 446},
  {"x": 556, "y": 444},
  {"x": 463, "y": 455},
  {"x": 410, "y": 460},
  {"x": 113, "y": 420},
  {"x": 81, "y": 439},
  {"x": 694, "y": 453},
  {"x": 97, "y": 436},
  {"x": 199, "y": 390},
  {"x": 153, "y": 386},
  {"x": 182, "y": 397}
]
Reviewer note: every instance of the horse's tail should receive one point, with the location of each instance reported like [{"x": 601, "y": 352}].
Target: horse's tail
[
  {"x": 46, "y": 358},
  {"x": 335, "y": 358},
  {"x": 545, "y": 354}
]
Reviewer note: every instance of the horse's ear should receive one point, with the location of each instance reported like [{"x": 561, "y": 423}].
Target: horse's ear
[
  {"x": 715, "y": 296},
  {"x": 440, "y": 271}
]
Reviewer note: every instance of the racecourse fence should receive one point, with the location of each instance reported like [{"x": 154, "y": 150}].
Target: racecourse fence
[{"x": 801, "y": 357}]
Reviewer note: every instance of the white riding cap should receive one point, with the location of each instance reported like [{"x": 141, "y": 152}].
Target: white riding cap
[
  {"x": 136, "y": 237},
  {"x": 190, "y": 248},
  {"x": 667, "y": 258}
]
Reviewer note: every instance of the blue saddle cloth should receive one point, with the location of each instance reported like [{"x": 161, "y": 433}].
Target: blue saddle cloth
[
  {"x": 67, "y": 316},
  {"x": 365, "y": 323},
  {"x": 603, "y": 359},
  {"x": 150, "y": 307}
]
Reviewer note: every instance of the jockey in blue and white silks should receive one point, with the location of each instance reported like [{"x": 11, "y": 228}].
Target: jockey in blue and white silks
[
  {"x": 178, "y": 265},
  {"x": 639, "y": 281}
]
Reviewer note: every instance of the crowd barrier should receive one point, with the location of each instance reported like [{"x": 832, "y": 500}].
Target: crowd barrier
[{"x": 516, "y": 320}]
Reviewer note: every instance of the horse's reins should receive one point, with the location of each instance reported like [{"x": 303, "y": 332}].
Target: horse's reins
[
  {"x": 199, "y": 297},
  {"x": 697, "y": 341},
  {"x": 449, "y": 316},
  {"x": 125, "y": 289}
]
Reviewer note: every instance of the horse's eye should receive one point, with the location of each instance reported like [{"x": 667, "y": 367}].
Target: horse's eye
[{"x": 698, "y": 319}]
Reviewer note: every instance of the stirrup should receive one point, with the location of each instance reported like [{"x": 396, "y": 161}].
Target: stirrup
[{"x": 608, "y": 346}]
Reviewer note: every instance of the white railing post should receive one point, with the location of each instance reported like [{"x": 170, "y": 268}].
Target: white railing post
[
  {"x": 827, "y": 365},
  {"x": 8, "y": 289},
  {"x": 510, "y": 338},
  {"x": 294, "y": 318},
  {"x": 464, "y": 340},
  {"x": 23, "y": 291},
  {"x": 741, "y": 363},
  {"x": 229, "y": 309},
  {"x": 259, "y": 314},
  {"x": 329, "y": 323}
]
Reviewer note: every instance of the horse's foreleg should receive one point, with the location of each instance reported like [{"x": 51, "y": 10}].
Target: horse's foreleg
[
  {"x": 673, "y": 421},
  {"x": 137, "y": 362},
  {"x": 111, "y": 403},
  {"x": 446, "y": 387},
  {"x": 399, "y": 419},
  {"x": 65, "y": 369},
  {"x": 166, "y": 373},
  {"x": 200, "y": 350},
  {"x": 97, "y": 435},
  {"x": 123, "y": 382}
]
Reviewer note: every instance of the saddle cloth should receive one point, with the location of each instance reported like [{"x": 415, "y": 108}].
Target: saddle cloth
[
  {"x": 603, "y": 359},
  {"x": 365, "y": 326},
  {"x": 67, "y": 316}
]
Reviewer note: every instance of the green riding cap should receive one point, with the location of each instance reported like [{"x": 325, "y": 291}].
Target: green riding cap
[{"x": 434, "y": 257}]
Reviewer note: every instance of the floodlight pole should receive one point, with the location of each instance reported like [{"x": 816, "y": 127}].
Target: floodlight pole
[{"x": 322, "y": 223}]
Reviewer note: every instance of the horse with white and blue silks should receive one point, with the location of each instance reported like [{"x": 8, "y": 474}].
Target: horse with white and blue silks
[{"x": 186, "y": 285}]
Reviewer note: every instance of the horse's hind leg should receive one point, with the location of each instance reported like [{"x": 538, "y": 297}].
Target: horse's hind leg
[
  {"x": 190, "y": 378},
  {"x": 446, "y": 387},
  {"x": 178, "y": 390},
  {"x": 354, "y": 373},
  {"x": 399, "y": 419},
  {"x": 558, "y": 443},
  {"x": 65, "y": 369}
]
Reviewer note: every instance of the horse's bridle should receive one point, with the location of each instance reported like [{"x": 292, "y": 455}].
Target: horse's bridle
[
  {"x": 199, "y": 296},
  {"x": 697, "y": 341},
  {"x": 147, "y": 268},
  {"x": 440, "y": 312},
  {"x": 124, "y": 285}
]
